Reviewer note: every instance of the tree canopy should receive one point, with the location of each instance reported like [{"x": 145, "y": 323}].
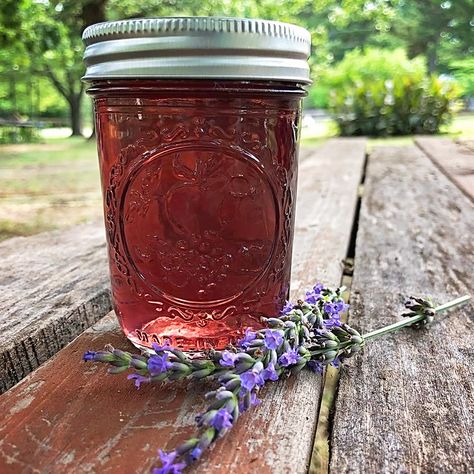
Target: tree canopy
[{"x": 41, "y": 39}]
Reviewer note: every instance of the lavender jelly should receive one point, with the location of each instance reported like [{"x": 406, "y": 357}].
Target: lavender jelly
[{"x": 199, "y": 182}]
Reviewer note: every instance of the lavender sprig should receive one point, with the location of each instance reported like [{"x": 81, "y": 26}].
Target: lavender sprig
[{"x": 307, "y": 334}]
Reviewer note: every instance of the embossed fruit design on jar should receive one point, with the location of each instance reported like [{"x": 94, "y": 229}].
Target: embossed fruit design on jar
[{"x": 197, "y": 122}]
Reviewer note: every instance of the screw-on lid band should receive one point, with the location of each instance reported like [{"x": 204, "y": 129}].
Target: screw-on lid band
[{"x": 197, "y": 47}]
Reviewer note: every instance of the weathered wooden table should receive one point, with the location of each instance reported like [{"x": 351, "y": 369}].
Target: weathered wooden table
[{"x": 404, "y": 216}]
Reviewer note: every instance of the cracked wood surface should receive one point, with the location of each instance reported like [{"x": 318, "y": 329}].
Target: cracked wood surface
[
  {"x": 71, "y": 417},
  {"x": 454, "y": 158},
  {"x": 406, "y": 405},
  {"x": 52, "y": 287}
]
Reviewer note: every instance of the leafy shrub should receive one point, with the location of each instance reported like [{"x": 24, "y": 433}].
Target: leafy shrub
[
  {"x": 382, "y": 93},
  {"x": 318, "y": 96},
  {"x": 463, "y": 72}
]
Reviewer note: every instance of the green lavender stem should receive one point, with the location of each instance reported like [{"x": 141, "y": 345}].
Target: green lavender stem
[{"x": 414, "y": 319}]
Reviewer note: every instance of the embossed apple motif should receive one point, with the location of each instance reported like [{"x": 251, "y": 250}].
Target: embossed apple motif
[{"x": 215, "y": 226}]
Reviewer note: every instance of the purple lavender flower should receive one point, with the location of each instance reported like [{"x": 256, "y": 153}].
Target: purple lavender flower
[
  {"x": 315, "y": 366},
  {"x": 196, "y": 453},
  {"x": 247, "y": 339},
  {"x": 228, "y": 359},
  {"x": 157, "y": 364},
  {"x": 329, "y": 308},
  {"x": 89, "y": 356},
  {"x": 251, "y": 378},
  {"x": 222, "y": 420},
  {"x": 158, "y": 349},
  {"x": 289, "y": 357},
  {"x": 287, "y": 308},
  {"x": 314, "y": 295},
  {"x": 340, "y": 306},
  {"x": 167, "y": 464},
  {"x": 273, "y": 339},
  {"x": 334, "y": 320},
  {"x": 270, "y": 373},
  {"x": 100, "y": 356},
  {"x": 318, "y": 288},
  {"x": 254, "y": 401},
  {"x": 139, "y": 379}
]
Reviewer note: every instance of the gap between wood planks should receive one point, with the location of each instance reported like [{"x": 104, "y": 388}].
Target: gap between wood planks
[{"x": 321, "y": 454}]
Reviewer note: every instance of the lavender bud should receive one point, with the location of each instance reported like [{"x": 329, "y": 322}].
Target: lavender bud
[
  {"x": 160, "y": 377},
  {"x": 103, "y": 356},
  {"x": 233, "y": 384},
  {"x": 330, "y": 335},
  {"x": 187, "y": 446},
  {"x": 243, "y": 357},
  {"x": 224, "y": 378},
  {"x": 200, "y": 374},
  {"x": 216, "y": 404},
  {"x": 274, "y": 322},
  {"x": 139, "y": 364},
  {"x": 177, "y": 375},
  {"x": 210, "y": 395},
  {"x": 243, "y": 366},
  {"x": 179, "y": 354},
  {"x": 329, "y": 356},
  {"x": 224, "y": 395},
  {"x": 117, "y": 370},
  {"x": 214, "y": 355},
  {"x": 304, "y": 333},
  {"x": 178, "y": 367},
  {"x": 207, "y": 438},
  {"x": 350, "y": 330},
  {"x": 201, "y": 364},
  {"x": 125, "y": 356},
  {"x": 257, "y": 343},
  {"x": 206, "y": 417},
  {"x": 357, "y": 339}
]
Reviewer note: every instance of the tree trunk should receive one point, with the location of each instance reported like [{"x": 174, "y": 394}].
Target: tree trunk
[
  {"x": 432, "y": 58},
  {"x": 75, "y": 115}
]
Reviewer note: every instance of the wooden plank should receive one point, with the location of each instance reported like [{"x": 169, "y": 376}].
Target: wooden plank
[
  {"x": 406, "y": 404},
  {"x": 454, "y": 158},
  {"x": 52, "y": 287},
  {"x": 71, "y": 417}
]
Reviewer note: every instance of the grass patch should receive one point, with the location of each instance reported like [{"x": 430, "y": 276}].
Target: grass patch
[{"x": 47, "y": 186}]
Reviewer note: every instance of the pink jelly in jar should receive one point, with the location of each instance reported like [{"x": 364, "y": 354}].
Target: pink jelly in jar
[{"x": 197, "y": 122}]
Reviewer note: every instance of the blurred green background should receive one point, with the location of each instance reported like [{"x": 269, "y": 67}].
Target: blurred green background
[{"x": 381, "y": 68}]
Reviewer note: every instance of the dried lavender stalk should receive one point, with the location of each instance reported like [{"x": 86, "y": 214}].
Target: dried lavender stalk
[{"x": 307, "y": 334}]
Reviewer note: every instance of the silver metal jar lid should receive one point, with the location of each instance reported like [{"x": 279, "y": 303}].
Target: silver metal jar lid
[{"x": 197, "y": 47}]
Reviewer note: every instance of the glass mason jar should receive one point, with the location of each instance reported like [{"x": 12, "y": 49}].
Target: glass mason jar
[{"x": 197, "y": 122}]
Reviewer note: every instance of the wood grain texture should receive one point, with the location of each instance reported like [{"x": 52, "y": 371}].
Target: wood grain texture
[
  {"x": 406, "y": 404},
  {"x": 454, "y": 158},
  {"x": 52, "y": 287},
  {"x": 71, "y": 417}
]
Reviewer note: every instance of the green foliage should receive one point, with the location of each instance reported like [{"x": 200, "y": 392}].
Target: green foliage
[
  {"x": 441, "y": 30},
  {"x": 40, "y": 40},
  {"x": 318, "y": 96},
  {"x": 463, "y": 71},
  {"x": 381, "y": 93}
]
